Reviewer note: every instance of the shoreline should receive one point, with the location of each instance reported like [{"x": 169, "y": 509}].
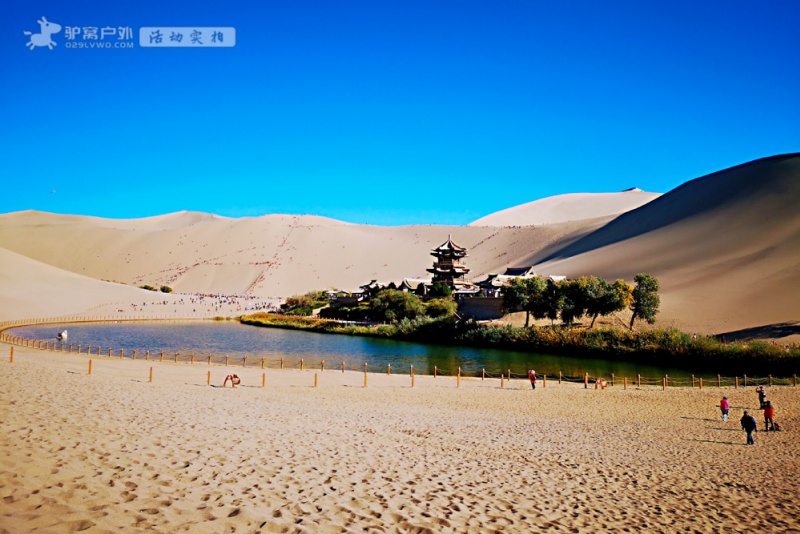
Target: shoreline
[{"x": 687, "y": 377}]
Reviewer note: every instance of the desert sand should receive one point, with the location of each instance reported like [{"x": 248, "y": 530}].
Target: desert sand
[
  {"x": 569, "y": 207},
  {"x": 111, "y": 451},
  {"x": 725, "y": 247}
]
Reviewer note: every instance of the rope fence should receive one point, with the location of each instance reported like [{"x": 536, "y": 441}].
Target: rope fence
[{"x": 320, "y": 366}]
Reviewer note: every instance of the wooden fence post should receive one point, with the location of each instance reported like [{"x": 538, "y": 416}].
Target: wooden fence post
[
  {"x": 586, "y": 381},
  {"x": 208, "y": 379},
  {"x": 263, "y": 379},
  {"x": 301, "y": 364},
  {"x": 322, "y": 366},
  {"x": 90, "y": 366},
  {"x": 389, "y": 369},
  {"x": 11, "y": 358},
  {"x": 559, "y": 377},
  {"x": 365, "y": 375},
  {"x": 134, "y": 354},
  {"x": 281, "y": 362},
  {"x": 315, "y": 379},
  {"x": 501, "y": 380},
  {"x": 544, "y": 381},
  {"x": 244, "y": 361},
  {"x": 209, "y": 359},
  {"x": 612, "y": 379},
  {"x": 262, "y": 363},
  {"x": 770, "y": 380},
  {"x": 192, "y": 360},
  {"x": 666, "y": 380},
  {"x": 458, "y": 381},
  {"x": 162, "y": 355},
  {"x": 226, "y": 360},
  {"x": 176, "y": 357},
  {"x": 701, "y": 383},
  {"x": 624, "y": 382},
  {"x": 664, "y": 383},
  {"x": 736, "y": 385},
  {"x": 412, "y": 380},
  {"x": 151, "y": 374},
  {"x": 483, "y": 373},
  {"x": 692, "y": 381},
  {"x": 343, "y": 367},
  {"x": 109, "y": 353},
  {"x": 745, "y": 380},
  {"x": 435, "y": 371}
]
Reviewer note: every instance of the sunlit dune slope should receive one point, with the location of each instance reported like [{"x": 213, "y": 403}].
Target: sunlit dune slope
[{"x": 570, "y": 207}]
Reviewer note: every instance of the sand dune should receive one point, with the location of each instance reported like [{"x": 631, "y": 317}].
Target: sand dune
[
  {"x": 726, "y": 248},
  {"x": 264, "y": 256},
  {"x": 570, "y": 207}
]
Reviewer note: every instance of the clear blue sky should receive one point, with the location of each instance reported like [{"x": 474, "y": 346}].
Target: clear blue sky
[{"x": 390, "y": 112}]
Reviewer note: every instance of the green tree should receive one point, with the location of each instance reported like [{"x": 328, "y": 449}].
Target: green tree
[
  {"x": 575, "y": 298},
  {"x": 444, "y": 307},
  {"x": 525, "y": 294},
  {"x": 391, "y": 306},
  {"x": 440, "y": 289},
  {"x": 552, "y": 301},
  {"x": 645, "y": 299},
  {"x": 166, "y": 289},
  {"x": 604, "y": 298}
]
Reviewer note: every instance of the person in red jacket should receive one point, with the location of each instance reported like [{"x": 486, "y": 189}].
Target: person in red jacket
[
  {"x": 532, "y": 377},
  {"x": 769, "y": 413},
  {"x": 724, "y": 407}
]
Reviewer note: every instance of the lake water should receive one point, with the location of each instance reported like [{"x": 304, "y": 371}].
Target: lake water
[{"x": 218, "y": 339}]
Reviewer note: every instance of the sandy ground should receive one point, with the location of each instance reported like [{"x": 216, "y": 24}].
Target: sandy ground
[{"x": 111, "y": 451}]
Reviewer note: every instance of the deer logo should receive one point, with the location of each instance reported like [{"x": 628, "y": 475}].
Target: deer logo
[{"x": 43, "y": 37}]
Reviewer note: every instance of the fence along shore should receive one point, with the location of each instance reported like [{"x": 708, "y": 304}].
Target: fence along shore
[{"x": 252, "y": 362}]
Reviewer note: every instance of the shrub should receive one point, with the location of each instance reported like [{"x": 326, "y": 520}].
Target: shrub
[{"x": 166, "y": 289}]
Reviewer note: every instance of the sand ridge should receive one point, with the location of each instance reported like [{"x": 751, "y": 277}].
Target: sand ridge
[{"x": 112, "y": 451}]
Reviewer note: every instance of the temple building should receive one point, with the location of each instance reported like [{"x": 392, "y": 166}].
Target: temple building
[{"x": 449, "y": 269}]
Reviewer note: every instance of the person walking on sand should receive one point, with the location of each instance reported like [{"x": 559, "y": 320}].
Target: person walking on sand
[
  {"x": 762, "y": 397},
  {"x": 532, "y": 377},
  {"x": 724, "y": 407},
  {"x": 749, "y": 425},
  {"x": 769, "y": 413}
]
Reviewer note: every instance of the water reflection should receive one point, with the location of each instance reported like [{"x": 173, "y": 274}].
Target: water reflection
[{"x": 231, "y": 338}]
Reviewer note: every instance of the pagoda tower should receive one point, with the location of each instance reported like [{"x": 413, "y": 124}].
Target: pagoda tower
[{"x": 448, "y": 267}]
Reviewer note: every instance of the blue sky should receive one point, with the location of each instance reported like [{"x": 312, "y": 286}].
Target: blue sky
[{"x": 390, "y": 112}]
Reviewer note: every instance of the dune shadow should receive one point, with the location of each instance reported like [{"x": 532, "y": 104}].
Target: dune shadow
[
  {"x": 698, "y": 419},
  {"x": 769, "y": 331}
]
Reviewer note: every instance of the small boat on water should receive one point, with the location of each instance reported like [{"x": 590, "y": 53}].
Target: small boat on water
[{"x": 62, "y": 335}]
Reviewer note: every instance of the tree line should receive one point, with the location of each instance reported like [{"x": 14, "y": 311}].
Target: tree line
[{"x": 590, "y": 296}]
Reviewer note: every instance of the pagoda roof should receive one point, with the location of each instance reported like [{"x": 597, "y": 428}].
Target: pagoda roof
[
  {"x": 449, "y": 246},
  {"x": 519, "y": 271}
]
